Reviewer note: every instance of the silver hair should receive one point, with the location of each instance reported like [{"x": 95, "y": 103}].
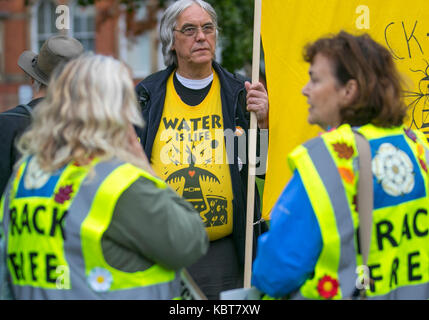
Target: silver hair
[{"x": 168, "y": 23}]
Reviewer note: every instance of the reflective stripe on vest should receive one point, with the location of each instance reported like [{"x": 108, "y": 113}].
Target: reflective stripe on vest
[
  {"x": 405, "y": 293},
  {"x": 84, "y": 229},
  {"x": 331, "y": 179}
]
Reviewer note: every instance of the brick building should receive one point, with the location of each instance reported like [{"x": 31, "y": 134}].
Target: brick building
[{"x": 102, "y": 28}]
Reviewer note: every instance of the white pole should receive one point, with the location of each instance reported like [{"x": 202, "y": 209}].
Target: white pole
[{"x": 252, "y": 150}]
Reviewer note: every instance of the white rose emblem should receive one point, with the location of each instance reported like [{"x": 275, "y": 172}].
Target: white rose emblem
[
  {"x": 394, "y": 170},
  {"x": 100, "y": 279}
]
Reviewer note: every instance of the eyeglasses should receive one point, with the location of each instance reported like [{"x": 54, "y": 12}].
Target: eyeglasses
[{"x": 191, "y": 31}]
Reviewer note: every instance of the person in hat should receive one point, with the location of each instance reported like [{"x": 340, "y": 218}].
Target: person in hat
[
  {"x": 56, "y": 50},
  {"x": 108, "y": 229}
]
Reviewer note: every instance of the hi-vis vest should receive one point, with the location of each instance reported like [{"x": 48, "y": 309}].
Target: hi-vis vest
[
  {"x": 53, "y": 226},
  {"x": 398, "y": 263}
]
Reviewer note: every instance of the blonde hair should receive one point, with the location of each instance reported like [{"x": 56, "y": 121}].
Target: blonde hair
[{"x": 89, "y": 108}]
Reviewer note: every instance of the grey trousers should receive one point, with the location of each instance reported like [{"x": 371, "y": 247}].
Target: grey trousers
[{"x": 218, "y": 270}]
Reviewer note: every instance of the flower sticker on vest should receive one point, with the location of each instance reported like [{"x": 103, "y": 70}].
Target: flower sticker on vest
[
  {"x": 35, "y": 177},
  {"x": 327, "y": 287},
  {"x": 410, "y": 134},
  {"x": 421, "y": 156},
  {"x": 63, "y": 194},
  {"x": 100, "y": 279},
  {"x": 347, "y": 174},
  {"x": 394, "y": 170},
  {"x": 343, "y": 150},
  {"x": 238, "y": 131},
  {"x": 355, "y": 203},
  {"x": 420, "y": 149}
]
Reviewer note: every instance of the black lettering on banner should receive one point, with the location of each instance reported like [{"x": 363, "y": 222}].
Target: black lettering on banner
[
  {"x": 393, "y": 275},
  {"x": 14, "y": 225},
  {"x": 33, "y": 265},
  {"x": 18, "y": 261},
  {"x": 372, "y": 277},
  {"x": 36, "y": 211},
  {"x": 385, "y": 234},
  {"x": 58, "y": 222},
  {"x": 409, "y": 38},
  {"x": 406, "y": 228},
  {"x": 21, "y": 255},
  {"x": 16, "y": 267},
  {"x": 412, "y": 266},
  {"x": 418, "y": 232},
  {"x": 25, "y": 222},
  {"x": 395, "y": 56},
  {"x": 50, "y": 268}
]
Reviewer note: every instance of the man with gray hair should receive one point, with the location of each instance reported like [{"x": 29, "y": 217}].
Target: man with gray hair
[
  {"x": 56, "y": 50},
  {"x": 196, "y": 115}
]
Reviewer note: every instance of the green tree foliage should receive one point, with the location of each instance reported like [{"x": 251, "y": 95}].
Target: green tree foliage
[
  {"x": 236, "y": 28},
  {"x": 236, "y": 31}
]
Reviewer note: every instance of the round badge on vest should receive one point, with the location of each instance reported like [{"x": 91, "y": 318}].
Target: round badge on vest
[{"x": 100, "y": 279}]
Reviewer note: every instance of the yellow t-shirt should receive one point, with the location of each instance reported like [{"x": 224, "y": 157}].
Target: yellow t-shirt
[{"x": 189, "y": 154}]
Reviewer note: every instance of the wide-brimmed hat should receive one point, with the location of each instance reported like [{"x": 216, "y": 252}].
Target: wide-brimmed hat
[{"x": 55, "y": 50}]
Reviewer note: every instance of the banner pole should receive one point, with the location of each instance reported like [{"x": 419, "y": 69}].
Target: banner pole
[{"x": 252, "y": 149}]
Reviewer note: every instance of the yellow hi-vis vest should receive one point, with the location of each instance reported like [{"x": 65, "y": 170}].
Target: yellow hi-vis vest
[
  {"x": 398, "y": 262},
  {"x": 53, "y": 227}
]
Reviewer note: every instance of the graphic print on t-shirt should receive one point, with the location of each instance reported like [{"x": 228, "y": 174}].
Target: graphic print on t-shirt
[
  {"x": 189, "y": 154},
  {"x": 216, "y": 214}
]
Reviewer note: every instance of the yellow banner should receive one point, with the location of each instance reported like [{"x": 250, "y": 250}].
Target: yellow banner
[{"x": 287, "y": 25}]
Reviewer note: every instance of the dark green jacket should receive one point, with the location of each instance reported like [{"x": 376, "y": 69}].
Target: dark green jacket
[{"x": 151, "y": 225}]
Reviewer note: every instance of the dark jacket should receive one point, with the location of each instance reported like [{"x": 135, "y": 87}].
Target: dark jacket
[
  {"x": 13, "y": 123},
  {"x": 151, "y": 96}
]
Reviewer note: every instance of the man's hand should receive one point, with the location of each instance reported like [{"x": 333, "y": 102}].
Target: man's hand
[{"x": 257, "y": 101}]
